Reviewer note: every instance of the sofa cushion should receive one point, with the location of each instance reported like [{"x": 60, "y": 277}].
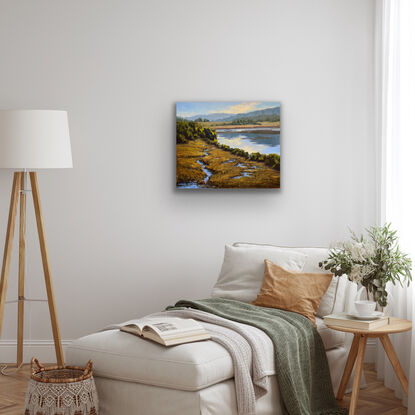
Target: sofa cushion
[
  {"x": 333, "y": 299},
  {"x": 300, "y": 292},
  {"x": 122, "y": 356},
  {"x": 188, "y": 367},
  {"x": 243, "y": 269}
]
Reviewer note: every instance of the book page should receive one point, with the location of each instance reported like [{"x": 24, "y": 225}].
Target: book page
[
  {"x": 174, "y": 326},
  {"x": 136, "y": 327},
  {"x": 140, "y": 324}
]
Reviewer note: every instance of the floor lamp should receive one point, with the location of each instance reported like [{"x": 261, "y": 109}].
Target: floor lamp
[{"x": 30, "y": 140}]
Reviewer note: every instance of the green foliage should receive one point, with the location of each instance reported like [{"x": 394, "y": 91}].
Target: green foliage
[
  {"x": 244, "y": 121},
  {"x": 240, "y": 152},
  {"x": 373, "y": 261},
  {"x": 392, "y": 264},
  {"x": 257, "y": 157},
  {"x": 190, "y": 130},
  {"x": 210, "y": 135},
  {"x": 273, "y": 160},
  {"x": 270, "y": 160},
  {"x": 256, "y": 119}
]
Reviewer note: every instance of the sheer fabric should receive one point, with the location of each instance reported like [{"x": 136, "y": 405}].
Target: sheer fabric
[{"x": 396, "y": 129}]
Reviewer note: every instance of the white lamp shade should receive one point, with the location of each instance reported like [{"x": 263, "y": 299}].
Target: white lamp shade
[{"x": 34, "y": 139}]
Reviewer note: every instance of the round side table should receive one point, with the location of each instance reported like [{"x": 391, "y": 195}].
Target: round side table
[{"x": 357, "y": 353}]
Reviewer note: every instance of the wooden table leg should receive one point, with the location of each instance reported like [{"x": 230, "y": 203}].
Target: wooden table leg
[
  {"x": 390, "y": 351},
  {"x": 357, "y": 374},
  {"x": 348, "y": 367}
]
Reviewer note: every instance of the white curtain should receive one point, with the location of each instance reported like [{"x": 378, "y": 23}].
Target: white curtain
[{"x": 395, "y": 76}]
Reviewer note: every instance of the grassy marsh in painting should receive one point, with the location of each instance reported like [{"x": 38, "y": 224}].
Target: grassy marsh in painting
[{"x": 227, "y": 145}]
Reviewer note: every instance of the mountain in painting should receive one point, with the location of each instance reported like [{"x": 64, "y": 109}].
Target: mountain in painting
[
  {"x": 254, "y": 115},
  {"x": 218, "y": 116}
]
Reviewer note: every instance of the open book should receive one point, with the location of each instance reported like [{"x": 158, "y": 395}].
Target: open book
[{"x": 168, "y": 331}]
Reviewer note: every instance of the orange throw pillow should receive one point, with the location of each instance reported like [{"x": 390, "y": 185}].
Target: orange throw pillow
[{"x": 300, "y": 292}]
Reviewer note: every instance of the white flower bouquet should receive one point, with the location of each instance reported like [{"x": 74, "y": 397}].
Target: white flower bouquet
[{"x": 372, "y": 261}]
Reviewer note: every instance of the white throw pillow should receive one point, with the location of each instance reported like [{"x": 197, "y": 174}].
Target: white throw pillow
[
  {"x": 243, "y": 270},
  {"x": 333, "y": 299}
]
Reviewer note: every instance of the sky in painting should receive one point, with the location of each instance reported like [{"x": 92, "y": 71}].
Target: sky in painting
[{"x": 188, "y": 109}]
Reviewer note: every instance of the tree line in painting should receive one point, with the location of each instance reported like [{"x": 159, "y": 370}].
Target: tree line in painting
[{"x": 191, "y": 130}]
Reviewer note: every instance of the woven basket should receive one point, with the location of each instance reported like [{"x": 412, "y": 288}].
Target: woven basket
[{"x": 61, "y": 390}]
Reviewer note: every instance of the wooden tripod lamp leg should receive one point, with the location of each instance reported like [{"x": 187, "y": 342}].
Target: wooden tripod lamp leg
[
  {"x": 22, "y": 267},
  {"x": 8, "y": 244},
  {"x": 46, "y": 268}
]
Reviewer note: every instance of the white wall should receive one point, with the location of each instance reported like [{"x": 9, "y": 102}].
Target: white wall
[{"x": 122, "y": 240}]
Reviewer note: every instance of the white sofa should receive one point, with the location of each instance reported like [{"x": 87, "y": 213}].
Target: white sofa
[{"x": 136, "y": 376}]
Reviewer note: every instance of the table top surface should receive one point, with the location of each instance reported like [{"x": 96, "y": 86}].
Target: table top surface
[{"x": 396, "y": 325}]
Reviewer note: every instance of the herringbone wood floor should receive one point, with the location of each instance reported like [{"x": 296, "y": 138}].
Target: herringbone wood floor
[{"x": 375, "y": 400}]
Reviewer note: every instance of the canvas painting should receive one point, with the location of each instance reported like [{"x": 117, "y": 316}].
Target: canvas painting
[{"x": 228, "y": 145}]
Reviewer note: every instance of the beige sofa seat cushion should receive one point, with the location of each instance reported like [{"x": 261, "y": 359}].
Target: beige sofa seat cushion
[
  {"x": 187, "y": 367},
  {"x": 128, "y": 398},
  {"x": 122, "y": 356}
]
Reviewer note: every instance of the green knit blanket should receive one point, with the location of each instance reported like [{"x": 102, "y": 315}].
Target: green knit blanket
[{"x": 301, "y": 362}]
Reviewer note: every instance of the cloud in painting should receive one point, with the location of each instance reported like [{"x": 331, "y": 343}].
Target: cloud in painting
[{"x": 241, "y": 108}]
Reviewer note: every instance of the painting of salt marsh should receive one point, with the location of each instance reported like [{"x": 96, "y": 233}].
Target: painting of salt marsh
[{"x": 228, "y": 145}]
